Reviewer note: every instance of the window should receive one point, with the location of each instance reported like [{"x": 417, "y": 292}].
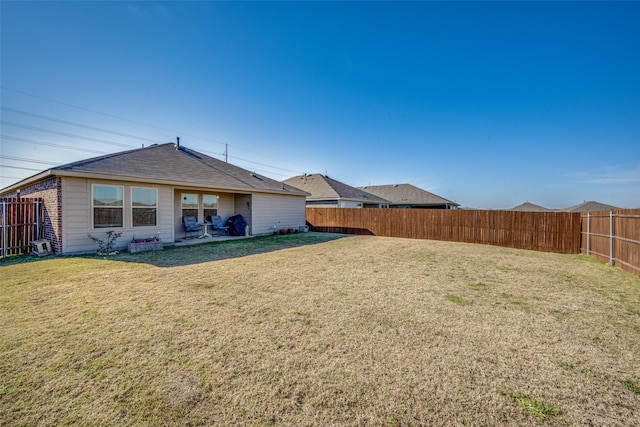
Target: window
[
  {"x": 107, "y": 206},
  {"x": 144, "y": 205},
  {"x": 190, "y": 205},
  {"x": 209, "y": 205}
]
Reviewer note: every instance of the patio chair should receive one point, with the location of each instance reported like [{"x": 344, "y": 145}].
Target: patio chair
[
  {"x": 191, "y": 226},
  {"x": 217, "y": 225}
]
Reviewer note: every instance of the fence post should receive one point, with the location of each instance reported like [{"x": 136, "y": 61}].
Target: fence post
[
  {"x": 588, "y": 237},
  {"x": 611, "y": 259},
  {"x": 37, "y": 219},
  {"x": 4, "y": 229}
]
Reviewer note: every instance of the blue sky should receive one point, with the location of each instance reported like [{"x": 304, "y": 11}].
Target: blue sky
[{"x": 486, "y": 104}]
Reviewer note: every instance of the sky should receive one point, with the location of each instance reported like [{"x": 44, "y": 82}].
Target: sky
[{"x": 487, "y": 104}]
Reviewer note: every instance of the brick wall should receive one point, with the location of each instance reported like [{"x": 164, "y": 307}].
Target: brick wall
[{"x": 50, "y": 190}]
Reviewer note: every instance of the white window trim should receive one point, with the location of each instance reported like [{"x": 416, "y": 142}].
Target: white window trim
[
  {"x": 93, "y": 225},
  {"x": 145, "y": 207}
]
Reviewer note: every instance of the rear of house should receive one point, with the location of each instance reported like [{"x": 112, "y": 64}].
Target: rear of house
[{"x": 146, "y": 192}]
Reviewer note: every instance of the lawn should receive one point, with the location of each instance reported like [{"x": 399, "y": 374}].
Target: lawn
[{"x": 320, "y": 329}]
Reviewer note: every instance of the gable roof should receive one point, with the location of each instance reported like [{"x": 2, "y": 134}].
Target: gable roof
[
  {"x": 167, "y": 164},
  {"x": 322, "y": 187},
  {"x": 407, "y": 194},
  {"x": 589, "y": 206},
  {"x": 530, "y": 207}
]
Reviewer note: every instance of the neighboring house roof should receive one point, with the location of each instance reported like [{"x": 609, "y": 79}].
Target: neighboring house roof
[
  {"x": 589, "y": 206},
  {"x": 530, "y": 207},
  {"x": 322, "y": 187},
  {"x": 407, "y": 194},
  {"x": 166, "y": 164}
]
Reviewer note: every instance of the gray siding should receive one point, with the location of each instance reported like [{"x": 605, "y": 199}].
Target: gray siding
[
  {"x": 77, "y": 216},
  {"x": 243, "y": 207},
  {"x": 281, "y": 211}
]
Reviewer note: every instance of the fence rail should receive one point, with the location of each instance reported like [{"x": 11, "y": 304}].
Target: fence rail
[
  {"x": 613, "y": 236},
  {"x": 20, "y": 222},
  {"x": 542, "y": 231}
]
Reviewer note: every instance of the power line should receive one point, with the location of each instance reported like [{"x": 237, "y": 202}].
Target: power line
[
  {"x": 53, "y": 119},
  {"x": 50, "y": 144},
  {"x": 107, "y": 114},
  {"x": 70, "y": 135},
  {"x": 20, "y": 167},
  {"x": 22, "y": 159},
  {"x": 145, "y": 124},
  {"x": 263, "y": 164}
]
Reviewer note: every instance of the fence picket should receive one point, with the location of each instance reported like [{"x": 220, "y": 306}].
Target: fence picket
[
  {"x": 614, "y": 237},
  {"x": 21, "y": 223},
  {"x": 543, "y": 231}
]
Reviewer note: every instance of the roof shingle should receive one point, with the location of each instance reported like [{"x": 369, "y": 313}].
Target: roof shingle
[
  {"x": 322, "y": 187},
  {"x": 178, "y": 165},
  {"x": 407, "y": 194}
]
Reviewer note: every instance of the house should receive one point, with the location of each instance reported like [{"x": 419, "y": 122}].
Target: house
[
  {"x": 327, "y": 192},
  {"x": 589, "y": 206},
  {"x": 145, "y": 192},
  {"x": 409, "y": 196},
  {"x": 530, "y": 207}
]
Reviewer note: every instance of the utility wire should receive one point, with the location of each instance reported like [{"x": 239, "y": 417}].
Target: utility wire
[
  {"x": 70, "y": 135},
  {"x": 50, "y": 144},
  {"x": 263, "y": 164},
  {"x": 53, "y": 119},
  {"x": 115, "y": 133},
  {"x": 145, "y": 124},
  {"x": 22, "y": 159},
  {"x": 23, "y": 168},
  {"x": 108, "y": 115}
]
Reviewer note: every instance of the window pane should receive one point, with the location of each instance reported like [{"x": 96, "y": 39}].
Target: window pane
[
  {"x": 210, "y": 205},
  {"x": 189, "y": 201},
  {"x": 190, "y": 212},
  {"x": 144, "y": 216},
  {"x": 107, "y": 195},
  {"x": 143, "y": 196},
  {"x": 107, "y": 217},
  {"x": 209, "y": 212},
  {"x": 210, "y": 201}
]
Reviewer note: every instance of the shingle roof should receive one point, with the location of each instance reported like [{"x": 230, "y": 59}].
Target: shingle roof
[
  {"x": 322, "y": 187},
  {"x": 530, "y": 207},
  {"x": 407, "y": 194},
  {"x": 166, "y": 163},
  {"x": 589, "y": 206}
]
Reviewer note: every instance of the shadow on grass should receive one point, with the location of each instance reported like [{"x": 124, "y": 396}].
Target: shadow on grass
[{"x": 173, "y": 256}]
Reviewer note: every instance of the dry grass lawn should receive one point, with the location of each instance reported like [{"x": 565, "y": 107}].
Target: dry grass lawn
[{"x": 316, "y": 329}]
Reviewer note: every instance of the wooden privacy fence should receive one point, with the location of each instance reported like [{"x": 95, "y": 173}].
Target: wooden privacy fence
[
  {"x": 613, "y": 236},
  {"x": 20, "y": 222},
  {"x": 540, "y": 231}
]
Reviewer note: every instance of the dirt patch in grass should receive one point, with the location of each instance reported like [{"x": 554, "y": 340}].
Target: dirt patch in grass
[{"x": 352, "y": 331}]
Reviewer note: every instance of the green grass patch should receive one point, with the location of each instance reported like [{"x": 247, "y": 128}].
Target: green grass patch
[
  {"x": 457, "y": 300},
  {"x": 533, "y": 406},
  {"x": 631, "y": 386}
]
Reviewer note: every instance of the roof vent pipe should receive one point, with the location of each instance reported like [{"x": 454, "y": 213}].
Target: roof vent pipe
[{"x": 178, "y": 143}]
